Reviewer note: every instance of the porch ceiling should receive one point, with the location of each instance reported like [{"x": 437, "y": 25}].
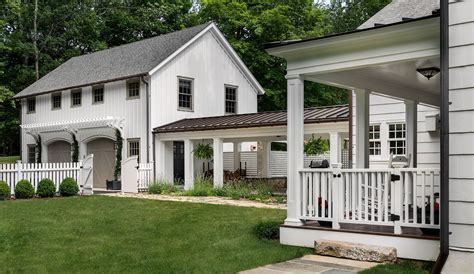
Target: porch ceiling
[{"x": 399, "y": 80}]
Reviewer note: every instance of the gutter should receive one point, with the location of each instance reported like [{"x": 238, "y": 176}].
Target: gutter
[
  {"x": 147, "y": 84},
  {"x": 444, "y": 94}
]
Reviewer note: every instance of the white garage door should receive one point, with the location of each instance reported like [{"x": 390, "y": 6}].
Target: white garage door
[
  {"x": 59, "y": 152},
  {"x": 104, "y": 160}
]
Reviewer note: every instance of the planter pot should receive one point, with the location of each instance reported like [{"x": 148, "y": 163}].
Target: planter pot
[{"x": 114, "y": 185}]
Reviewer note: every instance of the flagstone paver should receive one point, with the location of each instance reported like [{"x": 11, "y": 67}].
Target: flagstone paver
[
  {"x": 193, "y": 199},
  {"x": 314, "y": 264}
]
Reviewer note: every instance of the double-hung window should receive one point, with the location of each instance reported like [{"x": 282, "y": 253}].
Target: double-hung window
[
  {"x": 374, "y": 140},
  {"x": 76, "y": 97},
  {"x": 31, "y": 154},
  {"x": 230, "y": 100},
  {"x": 31, "y": 105},
  {"x": 133, "y": 89},
  {"x": 397, "y": 139},
  {"x": 133, "y": 147},
  {"x": 56, "y": 101},
  {"x": 185, "y": 94},
  {"x": 98, "y": 94}
]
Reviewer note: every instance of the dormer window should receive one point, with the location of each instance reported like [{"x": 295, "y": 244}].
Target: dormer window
[
  {"x": 133, "y": 89},
  {"x": 31, "y": 105}
]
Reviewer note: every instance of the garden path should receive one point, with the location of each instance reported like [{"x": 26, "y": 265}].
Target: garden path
[{"x": 193, "y": 199}]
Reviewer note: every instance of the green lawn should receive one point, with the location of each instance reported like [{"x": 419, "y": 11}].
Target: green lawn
[
  {"x": 105, "y": 234},
  {"x": 402, "y": 267},
  {"x": 9, "y": 159}
]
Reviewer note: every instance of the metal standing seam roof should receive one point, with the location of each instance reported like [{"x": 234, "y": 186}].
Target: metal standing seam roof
[
  {"x": 339, "y": 113},
  {"x": 128, "y": 60}
]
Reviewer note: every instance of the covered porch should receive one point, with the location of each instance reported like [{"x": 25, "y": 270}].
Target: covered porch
[
  {"x": 229, "y": 132},
  {"x": 399, "y": 205}
]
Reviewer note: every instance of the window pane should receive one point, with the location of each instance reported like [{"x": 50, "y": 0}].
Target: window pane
[
  {"x": 98, "y": 95},
  {"x": 133, "y": 148},
  {"x": 133, "y": 89},
  {"x": 31, "y": 105},
  {"x": 185, "y": 97},
  {"x": 76, "y": 98}
]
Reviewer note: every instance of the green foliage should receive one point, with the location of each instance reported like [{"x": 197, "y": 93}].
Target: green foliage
[
  {"x": 9, "y": 159},
  {"x": 24, "y": 190},
  {"x": 38, "y": 150},
  {"x": 4, "y": 191},
  {"x": 316, "y": 146},
  {"x": 203, "y": 151},
  {"x": 75, "y": 149},
  {"x": 402, "y": 267},
  {"x": 268, "y": 230},
  {"x": 46, "y": 188},
  {"x": 118, "y": 154},
  {"x": 202, "y": 187},
  {"x": 161, "y": 187},
  {"x": 68, "y": 187}
]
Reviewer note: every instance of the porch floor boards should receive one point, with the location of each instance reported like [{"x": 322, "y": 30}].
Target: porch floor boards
[{"x": 407, "y": 232}]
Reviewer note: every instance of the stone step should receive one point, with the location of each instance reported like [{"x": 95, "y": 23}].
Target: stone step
[{"x": 355, "y": 251}]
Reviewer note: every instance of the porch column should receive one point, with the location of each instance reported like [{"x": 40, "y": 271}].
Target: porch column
[
  {"x": 164, "y": 157},
  {"x": 44, "y": 153},
  {"x": 188, "y": 164},
  {"x": 411, "y": 118},
  {"x": 218, "y": 148},
  {"x": 237, "y": 148},
  {"x": 335, "y": 147},
  {"x": 263, "y": 159},
  {"x": 295, "y": 139},
  {"x": 362, "y": 128}
]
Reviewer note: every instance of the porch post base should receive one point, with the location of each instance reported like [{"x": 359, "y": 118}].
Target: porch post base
[
  {"x": 397, "y": 228},
  {"x": 336, "y": 225},
  {"x": 293, "y": 222}
]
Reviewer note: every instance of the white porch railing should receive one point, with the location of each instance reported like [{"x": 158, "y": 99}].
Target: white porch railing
[
  {"x": 57, "y": 172},
  {"x": 393, "y": 197}
]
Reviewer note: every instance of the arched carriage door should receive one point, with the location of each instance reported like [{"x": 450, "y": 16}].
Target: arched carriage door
[
  {"x": 59, "y": 152},
  {"x": 103, "y": 150}
]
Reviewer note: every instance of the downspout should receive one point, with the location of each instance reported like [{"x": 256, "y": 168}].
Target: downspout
[
  {"x": 154, "y": 155},
  {"x": 444, "y": 93},
  {"x": 147, "y": 84}
]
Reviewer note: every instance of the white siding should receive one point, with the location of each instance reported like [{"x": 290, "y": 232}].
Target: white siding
[
  {"x": 461, "y": 120},
  {"x": 208, "y": 64},
  {"x": 115, "y": 104},
  {"x": 383, "y": 111}
]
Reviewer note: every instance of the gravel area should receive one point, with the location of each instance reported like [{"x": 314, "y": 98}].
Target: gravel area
[{"x": 204, "y": 200}]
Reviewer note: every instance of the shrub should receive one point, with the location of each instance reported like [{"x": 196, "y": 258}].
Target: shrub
[
  {"x": 219, "y": 192},
  {"x": 161, "y": 187},
  {"x": 68, "y": 187},
  {"x": 202, "y": 187},
  {"x": 269, "y": 230},
  {"x": 24, "y": 190},
  {"x": 46, "y": 188},
  {"x": 4, "y": 190}
]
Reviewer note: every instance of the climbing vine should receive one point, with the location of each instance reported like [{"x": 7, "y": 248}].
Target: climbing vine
[
  {"x": 75, "y": 149},
  {"x": 118, "y": 154},
  {"x": 38, "y": 150}
]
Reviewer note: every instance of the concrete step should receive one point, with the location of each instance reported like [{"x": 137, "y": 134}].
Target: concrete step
[{"x": 355, "y": 251}]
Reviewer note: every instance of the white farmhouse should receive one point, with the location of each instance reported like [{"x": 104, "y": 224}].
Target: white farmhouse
[{"x": 132, "y": 89}]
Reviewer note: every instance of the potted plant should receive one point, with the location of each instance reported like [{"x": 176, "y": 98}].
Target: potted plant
[
  {"x": 204, "y": 152},
  {"x": 116, "y": 184}
]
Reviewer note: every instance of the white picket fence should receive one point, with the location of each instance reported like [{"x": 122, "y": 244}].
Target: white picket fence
[
  {"x": 136, "y": 177},
  {"x": 395, "y": 197},
  {"x": 57, "y": 172},
  {"x": 144, "y": 175}
]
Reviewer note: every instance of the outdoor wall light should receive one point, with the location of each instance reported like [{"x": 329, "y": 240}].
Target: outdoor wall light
[{"x": 428, "y": 72}]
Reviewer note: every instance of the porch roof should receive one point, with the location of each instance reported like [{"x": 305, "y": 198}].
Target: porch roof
[
  {"x": 74, "y": 125},
  {"x": 339, "y": 113}
]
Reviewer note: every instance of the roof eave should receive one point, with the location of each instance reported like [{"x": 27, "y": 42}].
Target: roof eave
[{"x": 276, "y": 48}]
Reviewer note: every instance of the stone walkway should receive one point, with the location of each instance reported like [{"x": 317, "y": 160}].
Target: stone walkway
[
  {"x": 314, "y": 264},
  {"x": 192, "y": 199}
]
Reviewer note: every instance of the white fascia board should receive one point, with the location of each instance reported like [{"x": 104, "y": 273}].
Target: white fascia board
[
  {"x": 258, "y": 88},
  {"x": 254, "y": 132},
  {"x": 368, "y": 37}
]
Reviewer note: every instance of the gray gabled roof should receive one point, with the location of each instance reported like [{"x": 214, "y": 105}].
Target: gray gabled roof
[
  {"x": 401, "y": 10},
  {"x": 116, "y": 63}
]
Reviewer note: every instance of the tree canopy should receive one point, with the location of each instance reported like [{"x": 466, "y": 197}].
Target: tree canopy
[{"x": 71, "y": 27}]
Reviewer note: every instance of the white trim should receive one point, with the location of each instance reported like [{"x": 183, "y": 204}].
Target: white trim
[{"x": 258, "y": 88}]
